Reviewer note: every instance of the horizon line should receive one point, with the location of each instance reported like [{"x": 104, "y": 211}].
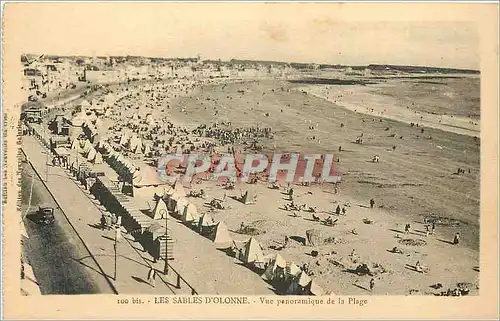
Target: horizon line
[{"x": 263, "y": 60}]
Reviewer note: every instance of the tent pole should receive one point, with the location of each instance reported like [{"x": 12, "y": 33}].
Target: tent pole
[
  {"x": 165, "y": 269},
  {"x": 114, "y": 276}
]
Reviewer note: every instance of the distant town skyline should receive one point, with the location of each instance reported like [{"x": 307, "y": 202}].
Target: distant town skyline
[{"x": 275, "y": 32}]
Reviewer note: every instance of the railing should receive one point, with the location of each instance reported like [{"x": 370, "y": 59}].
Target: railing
[{"x": 179, "y": 278}]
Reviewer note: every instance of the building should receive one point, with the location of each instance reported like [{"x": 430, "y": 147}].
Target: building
[
  {"x": 101, "y": 76},
  {"x": 60, "y": 125}
]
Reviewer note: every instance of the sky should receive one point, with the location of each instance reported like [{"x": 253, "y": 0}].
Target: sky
[{"x": 321, "y": 33}]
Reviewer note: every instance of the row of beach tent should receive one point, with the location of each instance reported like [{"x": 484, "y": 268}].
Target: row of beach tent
[
  {"x": 277, "y": 270},
  {"x": 134, "y": 144},
  {"x": 173, "y": 200},
  {"x": 85, "y": 147}
]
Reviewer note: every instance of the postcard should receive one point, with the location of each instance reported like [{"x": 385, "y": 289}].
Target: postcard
[{"x": 244, "y": 160}]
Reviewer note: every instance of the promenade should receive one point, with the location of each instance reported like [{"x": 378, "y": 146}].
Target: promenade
[
  {"x": 207, "y": 270},
  {"x": 29, "y": 285}
]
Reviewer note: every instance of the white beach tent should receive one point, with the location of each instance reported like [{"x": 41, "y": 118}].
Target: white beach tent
[
  {"x": 221, "y": 237},
  {"x": 278, "y": 262},
  {"x": 190, "y": 213},
  {"x": 160, "y": 211},
  {"x": 253, "y": 252}
]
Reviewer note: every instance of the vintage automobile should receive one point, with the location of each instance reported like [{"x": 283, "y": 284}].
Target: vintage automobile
[{"x": 45, "y": 214}]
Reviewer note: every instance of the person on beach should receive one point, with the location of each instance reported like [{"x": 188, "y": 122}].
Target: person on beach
[
  {"x": 152, "y": 277},
  {"x": 456, "y": 239},
  {"x": 353, "y": 254},
  {"x": 337, "y": 210},
  {"x": 372, "y": 284},
  {"x": 418, "y": 267},
  {"x": 118, "y": 234},
  {"x": 103, "y": 222},
  {"x": 108, "y": 221},
  {"x": 372, "y": 203}
]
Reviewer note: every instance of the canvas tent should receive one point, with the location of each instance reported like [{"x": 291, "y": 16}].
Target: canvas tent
[
  {"x": 205, "y": 222},
  {"x": 135, "y": 143},
  {"x": 299, "y": 283},
  {"x": 160, "y": 191},
  {"x": 249, "y": 197},
  {"x": 85, "y": 104},
  {"x": 98, "y": 158},
  {"x": 190, "y": 213},
  {"x": 160, "y": 211},
  {"x": 292, "y": 270},
  {"x": 275, "y": 268},
  {"x": 87, "y": 146},
  {"x": 75, "y": 145},
  {"x": 147, "y": 150},
  {"x": 100, "y": 144},
  {"x": 179, "y": 206},
  {"x": 91, "y": 155},
  {"x": 172, "y": 199},
  {"x": 144, "y": 176},
  {"x": 221, "y": 237},
  {"x": 238, "y": 247},
  {"x": 179, "y": 189},
  {"x": 253, "y": 252},
  {"x": 124, "y": 139}
]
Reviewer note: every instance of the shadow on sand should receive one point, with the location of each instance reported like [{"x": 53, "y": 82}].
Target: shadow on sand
[
  {"x": 140, "y": 280},
  {"x": 298, "y": 239},
  {"x": 445, "y": 241},
  {"x": 88, "y": 266},
  {"x": 361, "y": 287},
  {"x": 96, "y": 226}
]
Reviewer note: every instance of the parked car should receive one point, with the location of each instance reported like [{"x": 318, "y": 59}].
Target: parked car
[{"x": 45, "y": 214}]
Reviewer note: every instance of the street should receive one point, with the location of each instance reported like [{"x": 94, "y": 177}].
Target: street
[{"x": 53, "y": 251}]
